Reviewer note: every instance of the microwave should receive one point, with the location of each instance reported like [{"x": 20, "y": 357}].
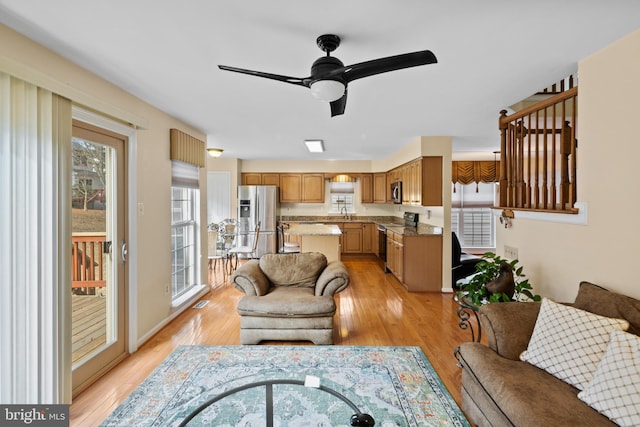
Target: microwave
[{"x": 396, "y": 192}]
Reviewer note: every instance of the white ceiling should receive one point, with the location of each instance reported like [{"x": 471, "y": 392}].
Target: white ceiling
[{"x": 491, "y": 54}]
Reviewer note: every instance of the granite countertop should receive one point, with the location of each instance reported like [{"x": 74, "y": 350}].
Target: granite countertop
[
  {"x": 391, "y": 223},
  {"x": 420, "y": 230},
  {"x": 313, "y": 230}
]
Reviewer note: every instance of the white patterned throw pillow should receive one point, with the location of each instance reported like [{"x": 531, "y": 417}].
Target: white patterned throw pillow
[
  {"x": 614, "y": 390},
  {"x": 569, "y": 343}
]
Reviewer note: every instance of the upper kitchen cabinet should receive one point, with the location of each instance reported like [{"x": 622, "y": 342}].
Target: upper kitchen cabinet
[
  {"x": 312, "y": 188},
  {"x": 380, "y": 187},
  {"x": 302, "y": 188},
  {"x": 290, "y": 187},
  {"x": 251, "y": 178},
  {"x": 366, "y": 188},
  {"x": 431, "y": 185},
  {"x": 421, "y": 181}
]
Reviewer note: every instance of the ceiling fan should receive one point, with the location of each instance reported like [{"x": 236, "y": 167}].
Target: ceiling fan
[{"x": 329, "y": 77}]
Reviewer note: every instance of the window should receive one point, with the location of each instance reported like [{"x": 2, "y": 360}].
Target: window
[
  {"x": 342, "y": 197},
  {"x": 185, "y": 202},
  {"x": 471, "y": 215}
]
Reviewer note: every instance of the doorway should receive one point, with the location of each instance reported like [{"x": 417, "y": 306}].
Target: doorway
[{"x": 99, "y": 267}]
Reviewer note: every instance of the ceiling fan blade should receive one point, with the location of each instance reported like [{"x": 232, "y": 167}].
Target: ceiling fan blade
[
  {"x": 285, "y": 79},
  {"x": 338, "y": 106},
  {"x": 384, "y": 65}
]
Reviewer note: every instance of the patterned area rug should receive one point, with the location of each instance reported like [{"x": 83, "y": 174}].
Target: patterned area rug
[{"x": 395, "y": 385}]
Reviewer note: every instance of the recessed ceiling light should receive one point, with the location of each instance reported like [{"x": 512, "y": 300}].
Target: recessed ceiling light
[{"x": 314, "y": 145}]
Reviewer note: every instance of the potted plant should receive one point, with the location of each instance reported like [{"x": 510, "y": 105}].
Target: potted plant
[{"x": 497, "y": 280}]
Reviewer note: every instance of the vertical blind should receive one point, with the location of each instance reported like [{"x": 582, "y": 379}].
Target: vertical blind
[{"x": 35, "y": 225}]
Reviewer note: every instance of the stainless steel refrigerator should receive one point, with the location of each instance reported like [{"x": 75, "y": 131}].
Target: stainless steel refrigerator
[{"x": 258, "y": 203}]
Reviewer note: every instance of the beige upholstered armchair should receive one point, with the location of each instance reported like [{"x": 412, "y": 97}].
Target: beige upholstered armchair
[{"x": 289, "y": 297}]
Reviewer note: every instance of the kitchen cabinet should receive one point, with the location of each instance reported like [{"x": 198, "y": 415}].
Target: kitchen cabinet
[
  {"x": 253, "y": 178},
  {"x": 380, "y": 188},
  {"x": 369, "y": 238},
  {"x": 421, "y": 181},
  {"x": 290, "y": 187},
  {"x": 366, "y": 188},
  {"x": 395, "y": 254},
  {"x": 422, "y": 263},
  {"x": 301, "y": 188},
  {"x": 312, "y": 188},
  {"x": 431, "y": 181},
  {"x": 294, "y": 187},
  {"x": 416, "y": 261},
  {"x": 352, "y": 238}
]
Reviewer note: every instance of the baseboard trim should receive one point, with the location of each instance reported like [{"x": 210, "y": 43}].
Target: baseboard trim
[{"x": 185, "y": 305}]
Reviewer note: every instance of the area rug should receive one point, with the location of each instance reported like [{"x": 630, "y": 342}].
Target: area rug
[{"x": 397, "y": 386}]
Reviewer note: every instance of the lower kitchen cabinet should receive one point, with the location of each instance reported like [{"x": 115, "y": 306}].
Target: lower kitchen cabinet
[
  {"x": 369, "y": 238},
  {"x": 416, "y": 261},
  {"x": 352, "y": 238}
]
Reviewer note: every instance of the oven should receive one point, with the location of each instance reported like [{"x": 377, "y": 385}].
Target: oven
[{"x": 382, "y": 246}]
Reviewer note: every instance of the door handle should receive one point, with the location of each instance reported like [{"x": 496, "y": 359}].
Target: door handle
[{"x": 123, "y": 251}]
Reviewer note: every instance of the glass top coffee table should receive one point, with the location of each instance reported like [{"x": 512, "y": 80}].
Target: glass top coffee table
[{"x": 357, "y": 419}]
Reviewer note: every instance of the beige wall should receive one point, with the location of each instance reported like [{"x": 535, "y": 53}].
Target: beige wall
[
  {"x": 27, "y": 60},
  {"x": 557, "y": 256}
]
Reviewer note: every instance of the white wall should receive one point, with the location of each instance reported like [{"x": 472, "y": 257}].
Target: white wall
[{"x": 556, "y": 257}]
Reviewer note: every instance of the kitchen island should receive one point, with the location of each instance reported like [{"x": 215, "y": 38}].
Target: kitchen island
[{"x": 321, "y": 238}]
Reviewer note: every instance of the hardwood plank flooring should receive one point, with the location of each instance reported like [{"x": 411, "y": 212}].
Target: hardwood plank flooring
[{"x": 374, "y": 310}]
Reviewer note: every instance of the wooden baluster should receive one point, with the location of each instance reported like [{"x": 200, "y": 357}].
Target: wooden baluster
[
  {"x": 574, "y": 143},
  {"x": 554, "y": 169},
  {"x": 101, "y": 261},
  {"x": 545, "y": 160},
  {"x": 503, "y": 126},
  {"x": 536, "y": 185},
  {"x": 528, "y": 181},
  {"x": 74, "y": 261}
]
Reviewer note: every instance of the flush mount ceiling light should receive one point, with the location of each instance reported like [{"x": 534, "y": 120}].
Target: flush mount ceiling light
[
  {"x": 314, "y": 145},
  {"x": 329, "y": 76},
  {"x": 215, "y": 152}
]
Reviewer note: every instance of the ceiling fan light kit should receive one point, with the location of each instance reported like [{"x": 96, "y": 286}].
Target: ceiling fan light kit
[
  {"x": 329, "y": 77},
  {"x": 327, "y": 90}
]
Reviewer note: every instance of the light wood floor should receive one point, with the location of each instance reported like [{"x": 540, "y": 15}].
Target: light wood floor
[{"x": 374, "y": 310}]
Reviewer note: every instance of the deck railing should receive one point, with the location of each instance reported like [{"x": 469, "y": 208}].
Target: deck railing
[
  {"x": 538, "y": 155},
  {"x": 87, "y": 260}
]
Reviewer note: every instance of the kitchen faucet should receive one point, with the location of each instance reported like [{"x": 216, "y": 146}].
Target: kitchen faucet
[{"x": 344, "y": 212}]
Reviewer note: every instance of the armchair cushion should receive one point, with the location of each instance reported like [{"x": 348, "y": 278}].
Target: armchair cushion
[
  {"x": 285, "y": 301},
  {"x": 295, "y": 269}
]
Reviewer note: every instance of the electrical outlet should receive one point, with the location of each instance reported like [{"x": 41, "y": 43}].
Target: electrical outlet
[
  {"x": 510, "y": 252},
  {"x": 140, "y": 209},
  {"x": 167, "y": 289}
]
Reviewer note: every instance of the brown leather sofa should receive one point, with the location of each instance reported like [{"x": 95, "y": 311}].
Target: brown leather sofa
[
  {"x": 500, "y": 390},
  {"x": 289, "y": 297}
]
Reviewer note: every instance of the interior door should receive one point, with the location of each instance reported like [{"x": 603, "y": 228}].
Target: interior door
[{"x": 99, "y": 230}]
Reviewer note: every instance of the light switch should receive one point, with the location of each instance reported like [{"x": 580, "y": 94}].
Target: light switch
[{"x": 140, "y": 209}]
